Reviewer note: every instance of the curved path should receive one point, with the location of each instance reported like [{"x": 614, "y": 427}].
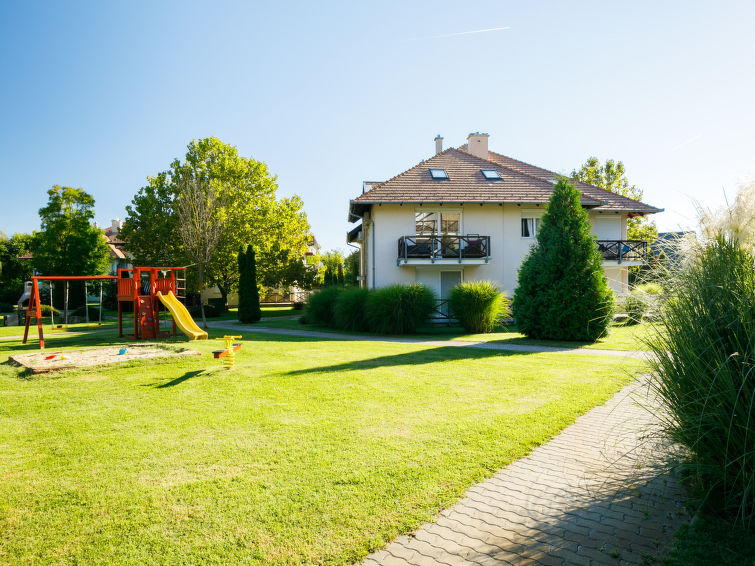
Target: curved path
[{"x": 424, "y": 342}]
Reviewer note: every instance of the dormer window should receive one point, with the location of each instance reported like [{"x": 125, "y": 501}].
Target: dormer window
[
  {"x": 491, "y": 174},
  {"x": 439, "y": 174}
]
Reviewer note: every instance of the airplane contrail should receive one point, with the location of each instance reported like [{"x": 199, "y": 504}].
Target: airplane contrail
[{"x": 461, "y": 33}]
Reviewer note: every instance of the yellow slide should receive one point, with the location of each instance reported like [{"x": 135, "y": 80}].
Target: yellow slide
[{"x": 182, "y": 317}]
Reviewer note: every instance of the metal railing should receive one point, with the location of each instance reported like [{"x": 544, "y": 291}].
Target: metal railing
[
  {"x": 623, "y": 250},
  {"x": 471, "y": 246}
]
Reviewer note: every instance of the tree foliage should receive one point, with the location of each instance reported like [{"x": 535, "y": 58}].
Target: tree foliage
[
  {"x": 69, "y": 243},
  {"x": 251, "y": 213},
  {"x": 200, "y": 224},
  {"x": 13, "y": 270},
  {"x": 612, "y": 177},
  {"x": 562, "y": 293},
  {"x": 249, "y": 297}
]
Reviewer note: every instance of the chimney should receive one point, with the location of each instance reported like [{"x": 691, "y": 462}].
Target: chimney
[
  {"x": 115, "y": 226},
  {"x": 477, "y": 144},
  {"x": 438, "y": 144}
]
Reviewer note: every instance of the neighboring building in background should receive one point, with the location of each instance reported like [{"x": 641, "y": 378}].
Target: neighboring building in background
[
  {"x": 472, "y": 214},
  {"x": 119, "y": 258}
]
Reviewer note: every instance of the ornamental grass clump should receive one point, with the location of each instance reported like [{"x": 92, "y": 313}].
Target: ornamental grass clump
[
  {"x": 349, "y": 312},
  {"x": 321, "y": 306},
  {"x": 477, "y": 305},
  {"x": 399, "y": 309},
  {"x": 704, "y": 367}
]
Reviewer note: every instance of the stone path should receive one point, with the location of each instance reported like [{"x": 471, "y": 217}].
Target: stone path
[
  {"x": 595, "y": 494},
  {"x": 424, "y": 342}
]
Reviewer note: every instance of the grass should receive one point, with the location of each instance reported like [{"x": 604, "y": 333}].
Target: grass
[
  {"x": 310, "y": 451},
  {"x": 712, "y": 542},
  {"x": 620, "y": 337}
]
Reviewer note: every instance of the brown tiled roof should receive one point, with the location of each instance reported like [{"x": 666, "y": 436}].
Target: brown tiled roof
[
  {"x": 611, "y": 201},
  {"x": 521, "y": 184}
]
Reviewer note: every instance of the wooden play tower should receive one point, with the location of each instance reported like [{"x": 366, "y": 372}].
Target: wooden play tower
[{"x": 139, "y": 286}]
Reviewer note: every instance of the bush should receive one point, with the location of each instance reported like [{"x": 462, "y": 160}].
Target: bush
[
  {"x": 7, "y": 307},
  {"x": 477, "y": 305},
  {"x": 399, "y": 309},
  {"x": 94, "y": 313},
  {"x": 635, "y": 307},
  {"x": 349, "y": 312},
  {"x": 649, "y": 288},
  {"x": 321, "y": 306},
  {"x": 249, "y": 296},
  {"x": 704, "y": 366},
  {"x": 562, "y": 292},
  {"x": 209, "y": 312}
]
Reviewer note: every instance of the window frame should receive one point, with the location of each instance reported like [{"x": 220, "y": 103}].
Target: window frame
[{"x": 434, "y": 177}]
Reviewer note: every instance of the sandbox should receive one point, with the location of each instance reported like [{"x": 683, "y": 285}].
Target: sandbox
[{"x": 37, "y": 362}]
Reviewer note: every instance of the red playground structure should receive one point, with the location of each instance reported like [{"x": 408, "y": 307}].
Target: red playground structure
[
  {"x": 137, "y": 285},
  {"x": 140, "y": 285}
]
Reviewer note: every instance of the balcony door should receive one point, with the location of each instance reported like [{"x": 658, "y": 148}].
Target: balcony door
[
  {"x": 437, "y": 223},
  {"x": 441, "y": 282}
]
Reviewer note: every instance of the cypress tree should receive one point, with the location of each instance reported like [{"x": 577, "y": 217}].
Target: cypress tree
[
  {"x": 562, "y": 292},
  {"x": 249, "y": 298}
]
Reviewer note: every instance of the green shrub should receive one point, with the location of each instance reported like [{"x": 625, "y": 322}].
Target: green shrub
[
  {"x": 704, "y": 367},
  {"x": 321, "y": 305},
  {"x": 249, "y": 296},
  {"x": 562, "y": 292},
  {"x": 477, "y": 305},
  {"x": 7, "y": 307},
  {"x": 47, "y": 309},
  {"x": 635, "y": 307},
  {"x": 399, "y": 309},
  {"x": 649, "y": 288},
  {"x": 94, "y": 313},
  {"x": 349, "y": 312}
]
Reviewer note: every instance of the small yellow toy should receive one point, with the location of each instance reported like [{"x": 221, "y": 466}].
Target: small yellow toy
[{"x": 228, "y": 354}]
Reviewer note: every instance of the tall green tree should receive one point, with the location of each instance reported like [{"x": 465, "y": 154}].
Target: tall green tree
[
  {"x": 14, "y": 270},
  {"x": 249, "y": 296},
  {"x": 562, "y": 292},
  {"x": 69, "y": 243},
  {"x": 251, "y": 214},
  {"x": 612, "y": 176}
]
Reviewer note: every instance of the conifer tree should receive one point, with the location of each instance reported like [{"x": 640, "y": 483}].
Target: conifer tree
[
  {"x": 562, "y": 292},
  {"x": 249, "y": 297}
]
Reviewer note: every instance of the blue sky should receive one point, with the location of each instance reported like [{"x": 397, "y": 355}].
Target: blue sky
[{"x": 100, "y": 95}]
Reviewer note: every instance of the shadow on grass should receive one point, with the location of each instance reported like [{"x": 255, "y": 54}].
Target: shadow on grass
[
  {"x": 439, "y": 354},
  {"x": 180, "y": 379}
]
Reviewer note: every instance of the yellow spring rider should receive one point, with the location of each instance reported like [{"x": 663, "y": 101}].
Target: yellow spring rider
[{"x": 228, "y": 354}]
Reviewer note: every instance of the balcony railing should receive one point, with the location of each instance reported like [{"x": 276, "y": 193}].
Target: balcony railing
[
  {"x": 471, "y": 246},
  {"x": 623, "y": 250}
]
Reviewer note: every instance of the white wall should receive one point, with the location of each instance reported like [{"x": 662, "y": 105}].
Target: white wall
[{"x": 501, "y": 223}]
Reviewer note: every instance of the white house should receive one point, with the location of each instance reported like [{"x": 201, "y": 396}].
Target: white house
[{"x": 472, "y": 214}]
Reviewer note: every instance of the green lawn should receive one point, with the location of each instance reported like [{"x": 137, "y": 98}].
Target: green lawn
[
  {"x": 620, "y": 337},
  {"x": 310, "y": 451}
]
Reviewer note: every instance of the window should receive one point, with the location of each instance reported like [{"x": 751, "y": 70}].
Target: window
[
  {"x": 449, "y": 223},
  {"x": 530, "y": 227},
  {"x": 425, "y": 223},
  {"x": 438, "y": 174},
  {"x": 491, "y": 174},
  {"x": 437, "y": 223}
]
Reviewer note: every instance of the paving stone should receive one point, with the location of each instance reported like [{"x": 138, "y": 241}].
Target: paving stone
[{"x": 594, "y": 495}]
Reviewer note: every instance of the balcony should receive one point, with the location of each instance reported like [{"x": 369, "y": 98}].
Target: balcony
[
  {"x": 623, "y": 252},
  {"x": 471, "y": 249}
]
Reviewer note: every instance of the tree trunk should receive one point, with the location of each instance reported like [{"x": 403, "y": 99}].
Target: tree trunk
[
  {"x": 201, "y": 298},
  {"x": 223, "y": 293}
]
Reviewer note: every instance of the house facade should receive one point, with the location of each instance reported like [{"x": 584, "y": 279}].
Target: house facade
[{"x": 470, "y": 214}]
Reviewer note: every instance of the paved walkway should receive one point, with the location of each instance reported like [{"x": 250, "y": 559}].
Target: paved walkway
[
  {"x": 424, "y": 342},
  {"x": 595, "y": 494}
]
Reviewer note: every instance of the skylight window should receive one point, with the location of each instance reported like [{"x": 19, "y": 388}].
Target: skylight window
[
  {"x": 491, "y": 174},
  {"x": 438, "y": 174}
]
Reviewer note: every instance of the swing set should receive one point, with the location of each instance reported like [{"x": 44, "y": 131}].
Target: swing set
[{"x": 34, "y": 308}]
